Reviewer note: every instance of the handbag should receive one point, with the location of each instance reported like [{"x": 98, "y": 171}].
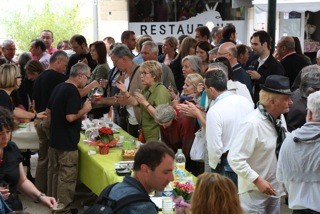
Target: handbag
[{"x": 197, "y": 149}]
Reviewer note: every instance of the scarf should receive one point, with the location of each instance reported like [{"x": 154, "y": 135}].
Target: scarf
[{"x": 278, "y": 126}]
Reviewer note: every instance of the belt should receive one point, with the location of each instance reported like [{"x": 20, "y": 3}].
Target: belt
[{"x": 224, "y": 155}]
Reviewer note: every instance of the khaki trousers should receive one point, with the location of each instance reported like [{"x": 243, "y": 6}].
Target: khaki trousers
[
  {"x": 62, "y": 176},
  {"x": 42, "y": 127}
]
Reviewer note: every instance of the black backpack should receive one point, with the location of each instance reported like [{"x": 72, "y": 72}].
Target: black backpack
[{"x": 106, "y": 205}]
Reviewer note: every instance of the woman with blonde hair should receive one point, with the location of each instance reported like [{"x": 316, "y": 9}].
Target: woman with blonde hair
[
  {"x": 154, "y": 94},
  {"x": 215, "y": 194},
  {"x": 169, "y": 48},
  {"x": 10, "y": 80}
]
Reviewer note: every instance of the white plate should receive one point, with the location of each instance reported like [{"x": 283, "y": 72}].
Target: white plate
[{"x": 124, "y": 165}]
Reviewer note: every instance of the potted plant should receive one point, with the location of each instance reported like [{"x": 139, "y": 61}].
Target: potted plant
[{"x": 105, "y": 137}]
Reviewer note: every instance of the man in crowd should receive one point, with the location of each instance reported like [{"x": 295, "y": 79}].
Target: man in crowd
[
  {"x": 149, "y": 51},
  {"x": 310, "y": 83},
  {"x": 108, "y": 41},
  {"x": 9, "y": 51},
  {"x": 228, "y": 34},
  {"x": 289, "y": 59},
  {"x": 47, "y": 37},
  {"x": 128, "y": 38},
  {"x": 318, "y": 58},
  {"x": 202, "y": 34},
  {"x": 223, "y": 120},
  {"x": 265, "y": 65},
  {"x": 129, "y": 116},
  {"x": 38, "y": 52},
  {"x": 254, "y": 151},
  {"x": 229, "y": 51},
  {"x": 42, "y": 89},
  {"x": 298, "y": 164},
  {"x": 151, "y": 172},
  {"x": 216, "y": 34},
  {"x": 243, "y": 55},
  {"x": 80, "y": 47},
  {"x": 65, "y": 111}
]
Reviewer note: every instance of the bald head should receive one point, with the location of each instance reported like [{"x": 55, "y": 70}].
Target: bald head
[
  {"x": 285, "y": 46},
  {"x": 229, "y": 51}
]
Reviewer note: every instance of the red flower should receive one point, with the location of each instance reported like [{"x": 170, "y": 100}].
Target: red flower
[{"x": 105, "y": 131}]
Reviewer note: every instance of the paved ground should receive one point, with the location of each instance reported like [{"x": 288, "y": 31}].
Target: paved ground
[{"x": 81, "y": 195}]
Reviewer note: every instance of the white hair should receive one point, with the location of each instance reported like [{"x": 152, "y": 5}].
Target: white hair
[{"x": 314, "y": 105}]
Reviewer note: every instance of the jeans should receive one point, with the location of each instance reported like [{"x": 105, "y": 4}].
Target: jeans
[{"x": 223, "y": 168}]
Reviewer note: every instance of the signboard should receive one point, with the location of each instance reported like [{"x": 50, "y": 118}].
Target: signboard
[{"x": 160, "y": 30}]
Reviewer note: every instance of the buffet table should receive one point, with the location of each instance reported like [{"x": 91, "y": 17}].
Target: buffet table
[{"x": 98, "y": 171}]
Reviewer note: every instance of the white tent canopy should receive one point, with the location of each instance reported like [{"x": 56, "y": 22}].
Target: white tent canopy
[{"x": 282, "y": 5}]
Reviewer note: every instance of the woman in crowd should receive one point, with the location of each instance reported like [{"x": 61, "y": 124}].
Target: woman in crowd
[
  {"x": 153, "y": 95},
  {"x": 191, "y": 64},
  {"x": 216, "y": 193},
  {"x": 192, "y": 89},
  {"x": 33, "y": 70},
  {"x": 26, "y": 84},
  {"x": 178, "y": 131},
  {"x": 10, "y": 80},
  {"x": 169, "y": 48},
  {"x": 11, "y": 169},
  {"x": 98, "y": 52},
  {"x": 202, "y": 49},
  {"x": 186, "y": 48}
]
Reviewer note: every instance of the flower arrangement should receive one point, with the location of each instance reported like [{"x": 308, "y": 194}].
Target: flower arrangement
[
  {"x": 105, "y": 140},
  {"x": 183, "y": 189},
  {"x": 105, "y": 135},
  {"x": 182, "y": 193}
]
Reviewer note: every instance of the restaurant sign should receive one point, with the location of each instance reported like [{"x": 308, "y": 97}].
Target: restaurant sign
[{"x": 160, "y": 30}]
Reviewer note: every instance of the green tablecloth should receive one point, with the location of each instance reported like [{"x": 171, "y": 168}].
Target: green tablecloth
[{"x": 97, "y": 171}]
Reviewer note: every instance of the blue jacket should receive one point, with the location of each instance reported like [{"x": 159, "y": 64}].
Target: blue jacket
[{"x": 131, "y": 186}]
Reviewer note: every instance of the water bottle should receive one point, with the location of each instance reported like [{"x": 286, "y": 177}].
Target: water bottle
[
  {"x": 168, "y": 191},
  {"x": 180, "y": 160}
]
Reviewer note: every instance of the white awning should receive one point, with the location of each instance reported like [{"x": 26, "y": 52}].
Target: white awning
[{"x": 290, "y": 5}]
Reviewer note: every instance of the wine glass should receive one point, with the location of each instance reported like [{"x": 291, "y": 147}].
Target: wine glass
[{"x": 96, "y": 93}]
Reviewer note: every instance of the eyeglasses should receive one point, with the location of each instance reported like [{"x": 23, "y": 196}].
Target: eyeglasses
[
  {"x": 18, "y": 77},
  {"x": 143, "y": 73},
  {"x": 88, "y": 77},
  {"x": 115, "y": 61}
]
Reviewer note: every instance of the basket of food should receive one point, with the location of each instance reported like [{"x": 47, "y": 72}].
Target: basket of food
[{"x": 128, "y": 154}]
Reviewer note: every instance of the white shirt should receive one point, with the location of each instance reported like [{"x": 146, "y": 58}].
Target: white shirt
[
  {"x": 131, "y": 117},
  {"x": 262, "y": 61},
  {"x": 253, "y": 153},
  {"x": 223, "y": 120},
  {"x": 239, "y": 88}
]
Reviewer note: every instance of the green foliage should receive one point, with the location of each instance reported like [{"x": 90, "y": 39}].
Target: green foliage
[{"x": 27, "y": 24}]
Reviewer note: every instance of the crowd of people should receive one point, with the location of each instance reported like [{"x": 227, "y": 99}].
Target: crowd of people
[{"x": 246, "y": 103}]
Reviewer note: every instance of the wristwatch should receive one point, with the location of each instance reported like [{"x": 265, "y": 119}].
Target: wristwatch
[{"x": 38, "y": 197}]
